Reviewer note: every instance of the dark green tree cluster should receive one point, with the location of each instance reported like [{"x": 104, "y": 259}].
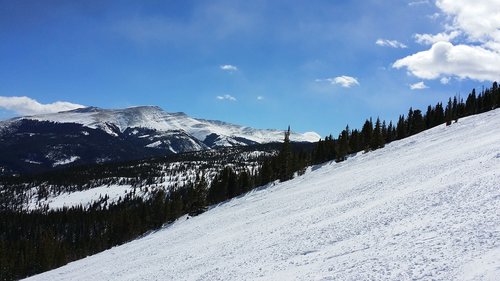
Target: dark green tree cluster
[
  {"x": 291, "y": 159},
  {"x": 374, "y": 136},
  {"x": 229, "y": 184}
]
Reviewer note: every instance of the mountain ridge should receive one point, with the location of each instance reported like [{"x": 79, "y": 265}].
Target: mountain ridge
[
  {"x": 94, "y": 135},
  {"x": 154, "y": 117}
]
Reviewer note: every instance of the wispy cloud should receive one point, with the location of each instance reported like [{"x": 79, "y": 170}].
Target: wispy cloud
[
  {"x": 417, "y": 3},
  {"x": 226, "y": 97},
  {"x": 344, "y": 81},
  {"x": 228, "y": 67},
  {"x": 429, "y": 39},
  {"x": 445, "y": 80},
  {"x": 418, "y": 86},
  {"x": 434, "y": 16},
  {"x": 29, "y": 106},
  {"x": 211, "y": 22},
  {"x": 260, "y": 97},
  {"x": 390, "y": 43}
]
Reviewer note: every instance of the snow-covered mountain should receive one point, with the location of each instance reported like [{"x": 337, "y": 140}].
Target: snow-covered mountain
[
  {"x": 93, "y": 135},
  {"x": 423, "y": 208},
  {"x": 212, "y": 133}
]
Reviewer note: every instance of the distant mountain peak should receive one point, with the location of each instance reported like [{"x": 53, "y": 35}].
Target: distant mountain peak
[
  {"x": 94, "y": 135},
  {"x": 155, "y": 118}
]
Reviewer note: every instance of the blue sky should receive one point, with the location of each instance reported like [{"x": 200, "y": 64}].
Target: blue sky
[{"x": 313, "y": 65}]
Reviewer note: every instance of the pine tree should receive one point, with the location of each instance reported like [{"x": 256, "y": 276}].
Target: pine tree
[
  {"x": 454, "y": 111},
  {"x": 409, "y": 122},
  {"x": 343, "y": 145},
  {"x": 367, "y": 133},
  {"x": 378, "y": 138},
  {"x": 418, "y": 123},
  {"x": 197, "y": 195},
  {"x": 285, "y": 157},
  {"x": 439, "y": 116},
  {"x": 401, "y": 128},
  {"x": 449, "y": 112}
]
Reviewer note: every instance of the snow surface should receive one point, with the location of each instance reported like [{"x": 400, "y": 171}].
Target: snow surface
[
  {"x": 155, "y": 144},
  {"x": 423, "y": 208},
  {"x": 153, "y": 117},
  {"x": 83, "y": 198},
  {"x": 66, "y": 161}
]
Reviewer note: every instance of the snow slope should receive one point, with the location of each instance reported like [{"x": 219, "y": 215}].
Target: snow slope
[
  {"x": 424, "y": 208},
  {"x": 83, "y": 198},
  {"x": 153, "y": 117}
]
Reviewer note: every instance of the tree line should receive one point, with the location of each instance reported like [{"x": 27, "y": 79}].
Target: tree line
[{"x": 376, "y": 134}]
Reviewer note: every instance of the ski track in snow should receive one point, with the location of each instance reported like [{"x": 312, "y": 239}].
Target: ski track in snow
[{"x": 423, "y": 208}]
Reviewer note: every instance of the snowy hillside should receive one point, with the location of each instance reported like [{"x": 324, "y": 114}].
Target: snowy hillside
[
  {"x": 153, "y": 117},
  {"x": 423, "y": 208}
]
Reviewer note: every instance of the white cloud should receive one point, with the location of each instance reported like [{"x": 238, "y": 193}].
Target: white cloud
[
  {"x": 390, "y": 43},
  {"x": 418, "y": 86},
  {"x": 228, "y": 67},
  {"x": 434, "y": 16},
  {"x": 429, "y": 39},
  {"x": 417, "y": 3},
  {"x": 344, "y": 81},
  {"x": 29, "y": 106},
  {"x": 445, "y": 80},
  {"x": 446, "y": 59},
  {"x": 479, "y": 19},
  {"x": 260, "y": 97},
  {"x": 226, "y": 97},
  {"x": 476, "y": 56}
]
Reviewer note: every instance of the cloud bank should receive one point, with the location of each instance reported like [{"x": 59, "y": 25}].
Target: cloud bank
[
  {"x": 29, "y": 106},
  {"x": 446, "y": 59},
  {"x": 476, "y": 57}
]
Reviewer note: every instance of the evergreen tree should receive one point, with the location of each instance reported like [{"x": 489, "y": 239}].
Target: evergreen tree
[
  {"x": 285, "y": 158},
  {"x": 418, "y": 123},
  {"x": 367, "y": 134},
  {"x": 449, "y": 113},
  {"x": 439, "y": 116},
  {"x": 343, "y": 145},
  {"x": 409, "y": 122},
  {"x": 377, "y": 138},
  {"x": 401, "y": 128}
]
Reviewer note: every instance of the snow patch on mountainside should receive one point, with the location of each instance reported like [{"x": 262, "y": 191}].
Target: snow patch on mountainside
[
  {"x": 83, "y": 198},
  {"x": 65, "y": 161},
  {"x": 155, "y": 144},
  {"x": 423, "y": 208}
]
